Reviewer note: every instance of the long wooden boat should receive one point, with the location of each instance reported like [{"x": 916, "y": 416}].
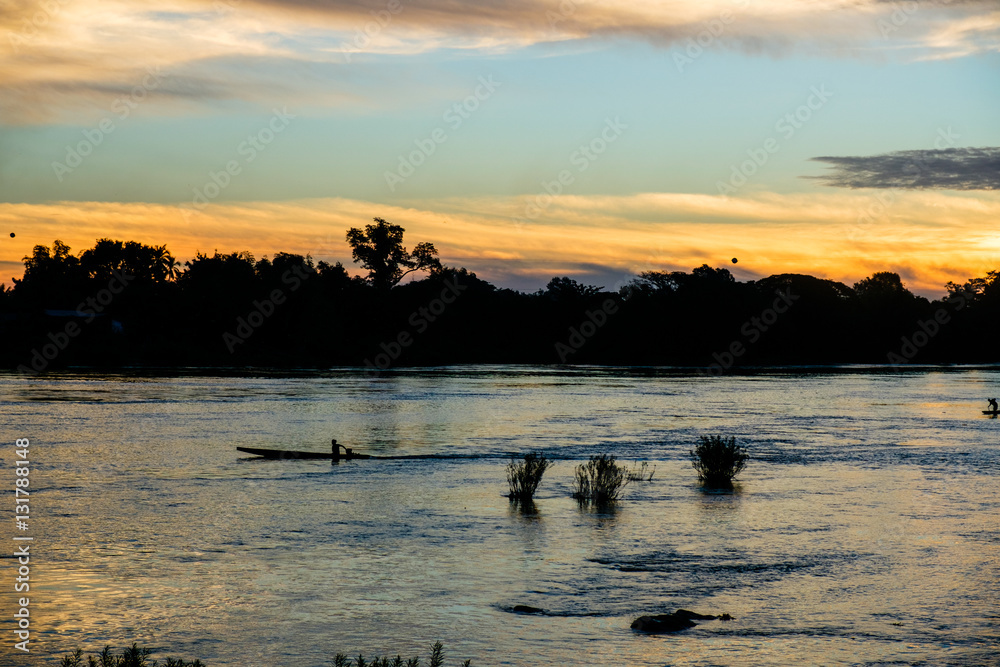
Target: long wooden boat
[
  {"x": 991, "y": 412},
  {"x": 292, "y": 454}
]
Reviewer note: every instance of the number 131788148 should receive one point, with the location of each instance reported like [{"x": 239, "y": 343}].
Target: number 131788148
[{"x": 21, "y": 483}]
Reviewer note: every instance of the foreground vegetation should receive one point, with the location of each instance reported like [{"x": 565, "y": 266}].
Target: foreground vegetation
[
  {"x": 436, "y": 659},
  {"x": 524, "y": 475},
  {"x": 641, "y": 472},
  {"x": 132, "y": 656},
  {"x": 138, "y": 305},
  {"x": 718, "y": 461},
  {"x": 600, "y": 480}
]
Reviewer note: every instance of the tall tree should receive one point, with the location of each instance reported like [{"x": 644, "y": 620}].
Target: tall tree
[
  {"x": 45, "y": 265},
  {"x": 147, "y": 264},
  {"x": 379, "y": 248},
  {"x": 52, "y": 278},
  {"x": 882, "y": 288},
  {"x": 567, "y": 290}
]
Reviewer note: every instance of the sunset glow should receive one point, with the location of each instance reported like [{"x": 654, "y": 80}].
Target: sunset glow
[{"x": 524, "y": 139}]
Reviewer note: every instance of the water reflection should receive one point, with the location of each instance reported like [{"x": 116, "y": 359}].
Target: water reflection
[
  {"x": 603, "y": 513},
  {"x": 733, "y": 489},
  {"x": 157, "y": 530},
  {"x": 525, "y": 510}
]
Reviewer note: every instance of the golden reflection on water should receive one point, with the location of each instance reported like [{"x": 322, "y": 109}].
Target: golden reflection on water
[{"x": 864, "y": 528}]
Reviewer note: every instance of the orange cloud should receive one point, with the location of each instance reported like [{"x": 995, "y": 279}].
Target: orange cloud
[{"x": 929, "y": 238}]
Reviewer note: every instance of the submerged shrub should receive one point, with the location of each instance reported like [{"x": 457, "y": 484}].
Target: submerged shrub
[
  {"x": 524, "y": 475},
  {"x": 640, "y": 473},
  {"x": 132, "y": 656},
  {"x": 436, "y": 660},
  {"x": 600, "y": 480},
  {"x": 718, "y": 460}
]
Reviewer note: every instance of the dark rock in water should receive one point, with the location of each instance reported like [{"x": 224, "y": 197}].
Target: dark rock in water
[
  {"x": 662, "y": 623},
  {"x": 525, "y": 609},
  {"x": 690, "y": 615},
  {"x": 682, "y": 619}
]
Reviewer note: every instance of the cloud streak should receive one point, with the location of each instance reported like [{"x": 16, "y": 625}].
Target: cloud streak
[
  {"x": 64, "y": 55},
  {"x": 945, "y": 169}
]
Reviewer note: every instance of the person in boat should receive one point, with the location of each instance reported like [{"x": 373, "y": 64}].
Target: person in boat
[
  {"x": 336, "y": 451},
  {"x": 993, "y": 404}
]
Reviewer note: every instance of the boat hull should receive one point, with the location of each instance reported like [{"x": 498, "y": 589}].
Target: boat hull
[
  {"x": 292, "y": 454},
  {"x": 991, "y": 412}
]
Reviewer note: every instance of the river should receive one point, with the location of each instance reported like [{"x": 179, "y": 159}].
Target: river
[{"x": 864, "y": 529}]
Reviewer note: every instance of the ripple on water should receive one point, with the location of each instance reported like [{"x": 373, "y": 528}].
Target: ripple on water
[{"x": 862, "y": 531}]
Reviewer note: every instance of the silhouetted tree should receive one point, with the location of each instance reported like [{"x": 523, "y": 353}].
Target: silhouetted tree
[
  {"x": 882, "y": 287},
  {"x": 143, "y": 263},
  {"x": 171, "y": 265},
  {"x": 706, "y": 273},
  {"x": 214, "y": 285},
  {"x": 379, "y": 248},
  {"x": 671, "y": 281},
  {"x": 977, "y": 289},
  {"x": 52, "y": 278},
  {"x": 567, "y": 290},
  {"x": 234, "y": 267},
  {"x": 233, "y": 310},
  {"x": 285, "y": 270},
  {"x": 653, "y": 281},
  {"x": 55, "y": 265},
  {"x": 336, "y": 277}
]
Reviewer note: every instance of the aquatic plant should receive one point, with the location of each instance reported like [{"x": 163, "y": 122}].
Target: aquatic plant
[
  {"x": 524, "y": 475},
  {"x": 718, "y": 460},
  {"x": 132, "y": 656},
  {"x": 600, "y": 480},
  {"x": 640, "y": 473},
  {"x": 436, "y": 660}
]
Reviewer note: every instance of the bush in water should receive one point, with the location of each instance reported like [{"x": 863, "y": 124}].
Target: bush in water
[
  {"x": 600, "y": 480},
  {"x": 718, "y": 460},
  {"x": 524, "y": 475}
]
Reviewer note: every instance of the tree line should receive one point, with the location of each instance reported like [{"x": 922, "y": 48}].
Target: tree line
[{"x": 127, "y": 303}]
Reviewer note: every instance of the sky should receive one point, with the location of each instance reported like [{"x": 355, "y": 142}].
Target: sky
[{"x": 525, "y": 139}]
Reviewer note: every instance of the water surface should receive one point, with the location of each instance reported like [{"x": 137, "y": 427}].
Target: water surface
[{"x": 864, "y": 530}]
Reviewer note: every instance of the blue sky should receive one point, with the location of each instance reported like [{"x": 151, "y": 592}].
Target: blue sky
[{"x": 183, "y": 87}]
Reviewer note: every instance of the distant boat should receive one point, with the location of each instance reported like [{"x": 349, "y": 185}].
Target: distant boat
[
  {"x": 991, "y": 412},
  {"x": 292, "y": 454}
]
